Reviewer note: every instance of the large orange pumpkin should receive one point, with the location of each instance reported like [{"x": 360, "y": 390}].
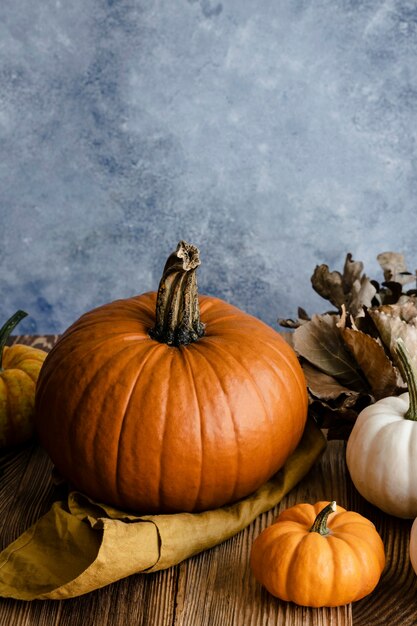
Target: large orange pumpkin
[{"x": 170, "y": 402}]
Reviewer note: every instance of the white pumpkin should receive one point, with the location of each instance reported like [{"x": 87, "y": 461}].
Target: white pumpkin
[{"x": 381, "y": 452}]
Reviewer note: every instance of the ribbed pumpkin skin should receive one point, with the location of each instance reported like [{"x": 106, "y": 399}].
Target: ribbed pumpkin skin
[
  {"x": 20, "y": 369},
  {"x": 314, "y": 570},
  {"x": 381, "y": 459},
  {"x": 150, "y": 427}
]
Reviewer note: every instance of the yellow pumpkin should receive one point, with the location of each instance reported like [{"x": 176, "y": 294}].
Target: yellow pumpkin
[{"x": 19, "y": 370}]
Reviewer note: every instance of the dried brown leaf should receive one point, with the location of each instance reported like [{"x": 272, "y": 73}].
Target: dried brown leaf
[
  {"x": 364, "y": 322},
  {"x": 348, "y": 355},
  {"x": 408, "y": 298},
  {"x": 390, "y": 293},
  {"x": 339, "y": 417},
  {"x": 373, "y": 361},
  {"x": 322, "y": 386},
  {"x": 394, "y": 321},
  {"x": 350, "y": 289},
  {"x": 303, "y": 317},
  {"x": 361, "y": 294},
  {"x": 320, "y": 342},
  {"x": 288, "y": 323},
  {"x": 329, "y": 285},
  {"x": 351, "y": 272},
  {"x": 394, "y": 267},
  {"x": 405, "y": 309}
]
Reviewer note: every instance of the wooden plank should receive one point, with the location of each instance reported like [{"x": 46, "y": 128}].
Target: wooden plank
[
  {"x": 215, "y": 588},
  {"x": 218, "y": 585},
  {"x": 22, "y": 501},
  {"x": 26, "y": 493},
  {"x": 393, "y": 601},
  {"x": 29, "y": 496}
]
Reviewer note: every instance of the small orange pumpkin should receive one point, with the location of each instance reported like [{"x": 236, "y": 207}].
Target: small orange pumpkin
[
  {"x": 170, "y": 402},
  {"x": 19, "y": 370},
  {"x": 319, "y": 555}
]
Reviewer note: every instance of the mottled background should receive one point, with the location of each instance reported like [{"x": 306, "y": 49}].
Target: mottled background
[{"x": 275, "y": 135}]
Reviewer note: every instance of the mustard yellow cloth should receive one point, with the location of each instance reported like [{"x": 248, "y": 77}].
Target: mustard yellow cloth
[{"x": 79, "y": 545}]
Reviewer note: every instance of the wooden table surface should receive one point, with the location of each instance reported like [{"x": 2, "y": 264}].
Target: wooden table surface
[{"x": 215, "y": 588}]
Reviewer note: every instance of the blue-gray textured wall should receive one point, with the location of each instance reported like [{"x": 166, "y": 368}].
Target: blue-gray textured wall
[{"x": 275, "y": 135}]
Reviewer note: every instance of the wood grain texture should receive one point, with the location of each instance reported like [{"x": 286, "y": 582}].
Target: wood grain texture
[{"x": 215, "y": 588}]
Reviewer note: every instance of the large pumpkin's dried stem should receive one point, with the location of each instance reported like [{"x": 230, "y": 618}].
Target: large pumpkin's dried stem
[
  {"x": 7, "y": 328},
  {"x": 177, "y": 306}
]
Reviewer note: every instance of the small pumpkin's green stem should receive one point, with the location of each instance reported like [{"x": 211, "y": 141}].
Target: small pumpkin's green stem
[
  {"x": 7, "y": 328},
  {"x": 408, "y": 372},
  {"x": 177, "y": 306},
  {"x": 320, "y": 523}
]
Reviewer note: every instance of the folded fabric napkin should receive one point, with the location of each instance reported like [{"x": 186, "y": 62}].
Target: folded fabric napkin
[{"x": 79, "y": 545}]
